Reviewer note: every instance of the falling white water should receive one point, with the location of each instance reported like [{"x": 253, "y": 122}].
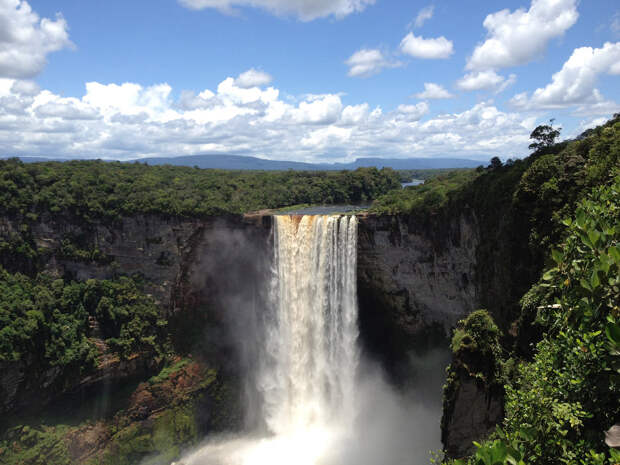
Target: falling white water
[
  {"x": 309, "y": 355},
  {"x": 307, "y": 377}
]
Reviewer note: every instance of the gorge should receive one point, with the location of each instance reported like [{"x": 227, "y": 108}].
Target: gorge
[
  {"x": 260, "y": 279},
  {"x": 145, "y": 311},
  {"x": 315, "y": 399}
]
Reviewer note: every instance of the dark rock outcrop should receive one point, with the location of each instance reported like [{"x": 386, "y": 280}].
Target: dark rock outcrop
[
  {"x": 475, "y": 412},
  {"x": 473, "y": 396}
]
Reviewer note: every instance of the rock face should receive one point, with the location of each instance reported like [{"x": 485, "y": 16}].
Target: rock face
[
  {"x": 187, "y": 265},
  {"x": 476, "y": 411},
  {"x": 473, "y": 396},
  {"x": 159, "y": 249},
  {"x": 416, "y": 279},
  {"x": 163, "y": 415}
]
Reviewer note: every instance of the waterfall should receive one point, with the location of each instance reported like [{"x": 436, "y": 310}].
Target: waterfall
[{"x": 308, "y": 356}]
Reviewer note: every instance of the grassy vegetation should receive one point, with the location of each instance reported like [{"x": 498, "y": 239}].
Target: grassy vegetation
[
  {"x": 168, "y": 370},
  {"x": 36, "y": 446}
]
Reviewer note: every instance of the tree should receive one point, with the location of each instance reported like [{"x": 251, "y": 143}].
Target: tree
[
  {"x": 544, "y": 135},
  {"x": 495, "y": 163}
]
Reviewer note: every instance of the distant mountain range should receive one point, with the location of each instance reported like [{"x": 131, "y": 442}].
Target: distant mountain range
[{"x": 237, "y": 162}]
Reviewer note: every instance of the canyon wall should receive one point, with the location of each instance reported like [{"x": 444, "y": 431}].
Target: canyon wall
[
  {"x": 416, "y": 279},
  {"x": 187, "y": 265}
]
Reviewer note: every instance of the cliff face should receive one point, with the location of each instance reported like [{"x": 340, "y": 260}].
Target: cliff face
[
  {"x": 187, "y": 265},
  {"x": 416, "y": 279},
  {"x": 474, "y": 413},
  {"x": 159, "y": 249}
]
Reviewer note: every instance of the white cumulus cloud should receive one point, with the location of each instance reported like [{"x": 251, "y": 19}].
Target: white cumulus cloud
[
  {"x": 25, "y": 87},
  {"x": 589, "y": 124},
  {"x": 26, "y": 39},
  {"x": 575, "y": 84},
  {"x": 412, "y": 112},
  {"x": 366, "y": 62},
  {"x": 129, "y": 99},
  {"x": 321, "y": 138},
  {"x": 354, "y": 114},
  {"x": 485, "y": 80},
  {"x": 319, "y": 110},
  {"x": 129, "y": 120},
  {"x": 69, "y": 109},
  {"x": 305, "y": 10},
  {"x": 419, "y": 47},
  {"x": 253, "y": 78},
  {"x": 433, "y": 91},
  {"x": 515, "y": 38}
]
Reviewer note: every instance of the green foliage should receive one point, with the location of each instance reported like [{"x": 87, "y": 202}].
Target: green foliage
[
  {"x": 129, "y": 445},
  {"x": 424, "y": 198},
  {"x": 18, "y": 248},
  {"x": 518, "y": 209},
  {"x": 165, "y": 372},
  {"x": 477, "y": 354},
  {"x": 70, "y": 251},
  {"x": 563, "y": 395},
  {"x": 96, "y": 189},
  {"x": 477, "y": 334},
  {"x": 496, "y": 163},
  {"x": 423, "y": 174},
  {"x": 129, "y": 320},
  {"x": 40, "y": 324},
  {"x": 151, "y": 424},
  {"x": 45, "y": 322},
  {"x": 497, "y": 452},
  {"x": 35, "y": 446},
  {"x": 559, "y": 404}
]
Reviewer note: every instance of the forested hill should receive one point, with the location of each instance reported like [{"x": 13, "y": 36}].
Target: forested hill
[
  {"x": 546, "y": 347},
  {"x": 96, "y": 189}
]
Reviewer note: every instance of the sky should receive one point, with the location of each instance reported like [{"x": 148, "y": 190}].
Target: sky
[{"x": 304, "y": 80}]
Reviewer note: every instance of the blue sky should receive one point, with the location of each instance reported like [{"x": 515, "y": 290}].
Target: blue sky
[{"x": 300, "y": 79}]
